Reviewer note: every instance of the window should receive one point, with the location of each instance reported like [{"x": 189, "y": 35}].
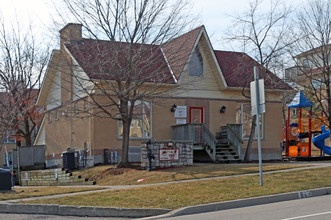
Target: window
[
  {"x": 10, "y": 138},
  {"x": 196, "y": 63},
  {"x": 49, "y": 116},
  {"x": 85, "y": 105},
  {"x": 244, "y": 117},
  {"x": 294, "y": 112},
  {"x": 8, "y": 159},
  {"x": 75, "y": 108},
  {"x": 141, "y": 121},
  {"x": 57, "y": 115},
  {"x": 305, "y": 63},
  {"x": 317, "y": 83}
]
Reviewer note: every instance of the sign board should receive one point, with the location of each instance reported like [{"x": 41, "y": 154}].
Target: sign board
[
  {"x": 261, "y": 104},
  {"x": 169, "y": 154},
  {"x": 181, "y": 112},
  {"x": 180, "y": 121}
]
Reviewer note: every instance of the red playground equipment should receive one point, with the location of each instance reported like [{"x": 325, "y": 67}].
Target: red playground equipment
[{"x": 297, "y": 134}]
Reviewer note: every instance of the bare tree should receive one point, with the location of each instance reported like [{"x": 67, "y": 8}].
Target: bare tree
[
  {"x": 130, "y": 66},
  {"x": 263, "y": 34},
  {"x": 312, "y": 53},
  {"x": 22, "y": 62}
]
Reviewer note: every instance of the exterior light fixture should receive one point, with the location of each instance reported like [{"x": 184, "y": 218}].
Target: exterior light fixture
[
  {"x": 173, "y": 108},
  {"x": 222, "y": 110}
]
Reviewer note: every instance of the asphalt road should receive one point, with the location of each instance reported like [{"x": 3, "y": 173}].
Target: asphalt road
[
  {"x": 315, "y": 208},
  {"x": 50, "y": 217}
]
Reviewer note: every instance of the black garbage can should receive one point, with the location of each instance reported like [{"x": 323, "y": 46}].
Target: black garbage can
[{"x": 5, "y": 179}]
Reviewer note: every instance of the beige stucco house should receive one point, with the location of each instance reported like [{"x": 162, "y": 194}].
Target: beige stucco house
[{"x": 212, "y": 96}]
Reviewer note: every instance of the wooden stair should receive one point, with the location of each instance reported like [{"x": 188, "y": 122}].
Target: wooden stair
[
  {"x": 225, "y": 152},
  {"x": 52, "y": 177}
]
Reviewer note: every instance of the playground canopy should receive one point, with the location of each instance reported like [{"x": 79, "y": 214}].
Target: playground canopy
[{"x": 300, "y": 100}]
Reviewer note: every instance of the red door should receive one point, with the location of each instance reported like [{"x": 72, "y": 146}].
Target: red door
[{"x": 196, "y": 115}]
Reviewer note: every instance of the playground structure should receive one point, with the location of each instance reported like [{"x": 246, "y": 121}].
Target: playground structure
[{"x": 298, "y": 132}]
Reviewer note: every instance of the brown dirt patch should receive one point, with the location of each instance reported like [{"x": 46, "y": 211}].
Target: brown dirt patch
[{"x": 109, "y": 172}]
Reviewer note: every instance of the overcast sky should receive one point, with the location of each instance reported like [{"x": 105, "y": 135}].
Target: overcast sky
[{"x": 214, "y": 14}]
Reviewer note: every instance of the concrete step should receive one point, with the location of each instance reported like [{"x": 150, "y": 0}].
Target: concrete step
[
  {"x": 48, "y": 178},
  {"x": 227, "y": 161},
  {"x": 227, "y": 157}
]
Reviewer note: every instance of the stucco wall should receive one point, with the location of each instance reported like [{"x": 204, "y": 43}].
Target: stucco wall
[{"x": 102, "y": 133}]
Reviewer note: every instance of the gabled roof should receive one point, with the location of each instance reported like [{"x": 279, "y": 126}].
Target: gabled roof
[
  {"x": 178, "y": 50},
  {"x": 110, "y": 60},
  {"x": 238, "y": 71}
]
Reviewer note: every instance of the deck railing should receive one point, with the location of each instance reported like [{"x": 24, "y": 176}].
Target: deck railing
[{"x": 199, "y": 134}]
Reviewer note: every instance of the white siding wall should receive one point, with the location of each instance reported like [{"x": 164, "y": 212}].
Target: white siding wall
[
  {"x": 54, "y": 98},
  {"x": 40, "y": 139},
  {"x": 81, "y": 84}
]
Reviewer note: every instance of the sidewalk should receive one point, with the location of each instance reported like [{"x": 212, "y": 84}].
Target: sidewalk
[{"x": 13, "y": 206}]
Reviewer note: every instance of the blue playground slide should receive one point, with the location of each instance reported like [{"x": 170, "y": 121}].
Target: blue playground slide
[{"x": 319, "y": 141}]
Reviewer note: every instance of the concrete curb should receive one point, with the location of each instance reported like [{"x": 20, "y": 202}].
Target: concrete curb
[
  {"x": 79, "y": 210},
  {"x": 244, "y": 203}
]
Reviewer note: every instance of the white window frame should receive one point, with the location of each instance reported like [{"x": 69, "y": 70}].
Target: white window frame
[
  {"x": 86, "y": 105},
  {"x": 305, "y": 63},
  {"x": 49, "y": 117},
  {"x": 7, "y": 139},
  {"x": 242, "y": 122},
  {"x": 76, "y": 108},
  {"x": 57, "y": 117},
  {"x": 196, "y": 55}
]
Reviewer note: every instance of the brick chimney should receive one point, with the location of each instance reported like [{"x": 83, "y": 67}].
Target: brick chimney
[{"x": 70, "y": 32}]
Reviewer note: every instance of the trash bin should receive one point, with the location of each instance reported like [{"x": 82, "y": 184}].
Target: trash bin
[{"x": 5, "y": 179}]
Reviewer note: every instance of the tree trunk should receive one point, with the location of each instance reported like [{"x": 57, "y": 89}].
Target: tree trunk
[
  {"x": 126, "y": 121},
  {"x": 125, "y": 144},
  {"x": 28, "y": 141}
]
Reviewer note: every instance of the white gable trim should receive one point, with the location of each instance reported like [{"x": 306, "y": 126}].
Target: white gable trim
[
  {"x": 203, "y": 31},
  {"x": 42, "y": 97},
  {"x": 214, "y": 57},
  {"x": 172, "y": 73},
  {"x": 40, "y": 138},
  {"x": 82, "y": 80}
]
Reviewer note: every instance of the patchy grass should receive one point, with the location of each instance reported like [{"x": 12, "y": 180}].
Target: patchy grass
[
  {"x": 41, "y": 191},
  {"x": 109, "y": 175},
  {"x": 178, "y": 195}
]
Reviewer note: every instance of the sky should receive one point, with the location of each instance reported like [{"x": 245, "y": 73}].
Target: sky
[{"x": 214, "y": 14}]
